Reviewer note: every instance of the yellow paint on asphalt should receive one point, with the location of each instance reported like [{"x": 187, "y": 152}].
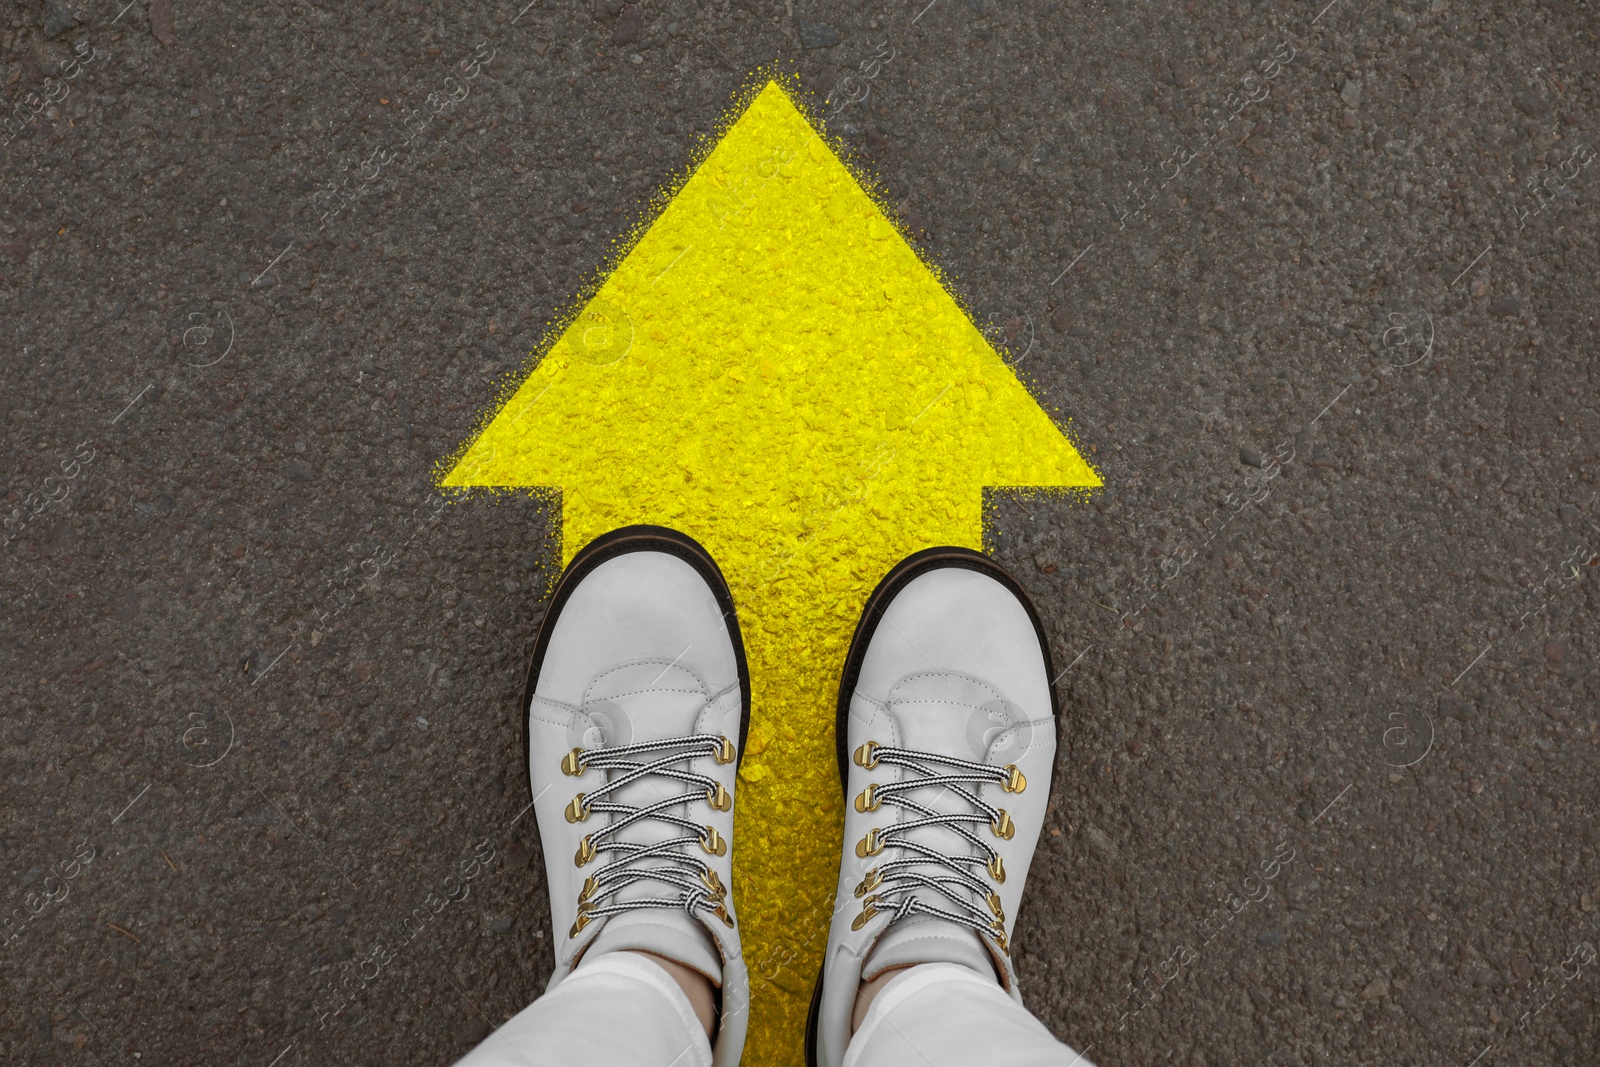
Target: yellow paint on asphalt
[{"x": 773, "y": 370}]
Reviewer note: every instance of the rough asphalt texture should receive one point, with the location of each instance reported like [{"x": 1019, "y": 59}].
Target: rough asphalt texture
[{"x": 1328, "y": 781}]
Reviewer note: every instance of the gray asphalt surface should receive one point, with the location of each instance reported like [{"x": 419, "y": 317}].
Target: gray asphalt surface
[{"x": 1316, "y": 285}]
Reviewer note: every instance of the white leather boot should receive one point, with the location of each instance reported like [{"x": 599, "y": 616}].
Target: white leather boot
[
  {"x": 638, "y": 704},
  {"x": 946, "y": 742}
]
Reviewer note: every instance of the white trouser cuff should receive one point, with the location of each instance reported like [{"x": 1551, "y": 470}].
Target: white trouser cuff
[
  {"x": 944, "y": 1015},
  {"x": 616, "y": 1010}
]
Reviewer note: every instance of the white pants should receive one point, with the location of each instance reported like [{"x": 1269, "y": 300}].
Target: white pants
[{"x": 621, "y": 1010}]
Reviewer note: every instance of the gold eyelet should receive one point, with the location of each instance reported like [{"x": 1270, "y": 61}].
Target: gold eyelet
[
  {"x": 578, "y": 925},
  {"x": 995, "y": 906},
  {"x": 721, "y": 912},
  {"x": 591, "y": 885},
  {"x": 577, "y": 811},
  {"x": 867, "y": 755},
  {"x": 870, "y": 845},
  {"x": 585, "y": 852},
  {"x": 872, "y": 881},
  {"x": 999, "y": 932},
  {"x": 709, "y": 879},
  {"x": 724, "y": 752},
  {"x": 997, "y": 869},
  {"x": 719, "y": 798},
  {"x": 869, "y": 799},
  {"x": 867, "y": 912},
  {"x": 1015, "y": 781},
  {"x": 1003, "y": 827},
  {"x": 713, "y": 843},
  {"x": 571, "y": 763}
]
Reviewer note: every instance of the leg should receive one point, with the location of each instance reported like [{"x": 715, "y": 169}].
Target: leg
[{"x": 696, "y": 986}]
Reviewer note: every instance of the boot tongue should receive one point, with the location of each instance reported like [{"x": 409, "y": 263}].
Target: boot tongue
[
  {"x": 645, "y": 701},
  {"x": 951, "y": 715},
  {"x": 959, "y": 716},
  {"x": 925, "y": 939},
  {"x": 667, "y": 932}
]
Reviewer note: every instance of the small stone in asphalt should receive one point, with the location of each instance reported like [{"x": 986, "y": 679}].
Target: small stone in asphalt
[
  {"x": 1376, "y": 989},
  {"x": 817, "y": 35},
  {"x": 1350, "y": 93},
  {"x": 629, "y": 23},
  {"x": 57, "y": 19},
  {"x": 1250, "y": 457},
  {"x": 1533, "y": 106},
  {"x": 160, "y": 15},
  {"x": 1100, "y": 842},
  {"x": 497, "y": 924},
  {"x": 474, "y": 1031},
  {"x": 1059, "y": 320}
]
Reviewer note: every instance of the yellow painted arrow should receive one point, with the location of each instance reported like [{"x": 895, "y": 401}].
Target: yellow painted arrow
[{"x": 773, "y": 370}]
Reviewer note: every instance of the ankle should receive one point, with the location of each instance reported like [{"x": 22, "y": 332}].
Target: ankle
[
  {"x": 867, "y": 992},
  {"x": 696, "y": 986}
]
